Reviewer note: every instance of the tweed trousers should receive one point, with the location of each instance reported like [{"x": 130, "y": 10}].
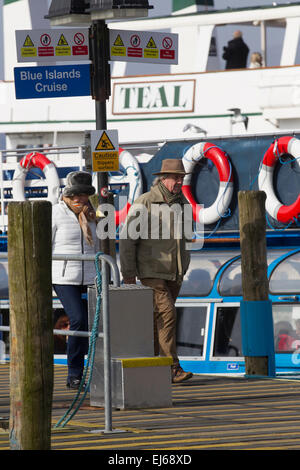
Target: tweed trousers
[{"x": 164, "y": 297}]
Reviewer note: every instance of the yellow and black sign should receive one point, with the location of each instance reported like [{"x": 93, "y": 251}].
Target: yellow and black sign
[
  {"x": 151, "y": 50},
  {"x": 28, "y": 49},
  {"x": 105, "y": 150},
  {"x": 62, "y": 41},
  {"x": 151, "y": 43},
  {"x": 28, "y": 42},
  {"x": 105, "y": 143},
  {"x": 118, "y": 41},
  {"x": 118, "y": 48},
  {"x": 62, "y": 47}
]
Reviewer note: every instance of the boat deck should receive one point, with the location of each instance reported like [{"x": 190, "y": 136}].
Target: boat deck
[{"x": 208, "y": 413}]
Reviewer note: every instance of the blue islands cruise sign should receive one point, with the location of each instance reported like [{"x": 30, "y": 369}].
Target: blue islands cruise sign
[{"x": 55, "y": 81}]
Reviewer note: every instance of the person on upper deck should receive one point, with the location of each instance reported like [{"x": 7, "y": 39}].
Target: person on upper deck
[
  {"x": 236, "y": 52},
  {"x": 256, "y": 60}
]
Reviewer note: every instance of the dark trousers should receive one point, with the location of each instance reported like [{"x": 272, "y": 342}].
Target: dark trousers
[{"x": 75, "y": 306}]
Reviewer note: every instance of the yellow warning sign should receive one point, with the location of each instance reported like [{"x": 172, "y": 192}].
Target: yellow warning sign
[
  {"x": 104, "y": 143},
  {"x": 151, "y": 43},
  {"x": 106, "y": 161},
  {"x": 28, "y": 52},
  {"x": 28, "y": 49},
  {"x": 151, "y": 51},
  {"x": 118, "y": 41},
  {"x": 62, "y": 41},
  {"x": 118, "y": 48},
  {"x": 118, "y": 51},
  {"x": 62, "y": 48},
  {"x": 105, "y": 150},
  {"x": 28, "y": 42}
]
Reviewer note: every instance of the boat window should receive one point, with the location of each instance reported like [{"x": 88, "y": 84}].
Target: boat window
[
  {"x": 191, "y": 323},
  {"x": 231, "y": 280},
  {"x": 286, "y": 276},
  {"x": 228, "y": 339},
  {"x": 286, "y": 319},
  {"x": 202, "y": 271}
]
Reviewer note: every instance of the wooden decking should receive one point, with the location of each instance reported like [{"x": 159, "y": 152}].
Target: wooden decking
[{"x": 208, "y": 413}]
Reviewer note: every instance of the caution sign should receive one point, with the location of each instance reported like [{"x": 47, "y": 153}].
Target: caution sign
[
  {"x": 62, "y": 48},
  {"x": 118, "y": 48},
  {"x": 105, "y": 143},
  {"x": 28, "y": 49},
  {"x": 105, "y": 150},
  {"x": 62, "y": 41},
  {"x": 151, "y": 43},
  {"x": 143, "y": 46},
  {"x": 52, "y": 45},
  {"x": 151, "y": 50}
]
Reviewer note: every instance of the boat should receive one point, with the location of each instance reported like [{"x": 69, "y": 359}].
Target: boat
[{"x": 243, "y": 112}]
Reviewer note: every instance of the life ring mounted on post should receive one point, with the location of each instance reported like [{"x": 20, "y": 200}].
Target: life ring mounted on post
[
  {"x": 37, "y": 160},
  {"x": 132, "y": 176},
  {"x": 274, "y": 207},
  {"x": 211, "y": 214}
]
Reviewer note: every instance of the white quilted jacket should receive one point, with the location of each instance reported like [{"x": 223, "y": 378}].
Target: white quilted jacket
[{"x": 67, "y": 237}]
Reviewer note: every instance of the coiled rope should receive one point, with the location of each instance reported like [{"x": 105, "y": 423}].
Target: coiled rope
[{"x": 90, "y": 356}]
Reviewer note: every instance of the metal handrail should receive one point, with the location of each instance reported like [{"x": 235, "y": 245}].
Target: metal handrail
[{"x": 106, "y": 323}]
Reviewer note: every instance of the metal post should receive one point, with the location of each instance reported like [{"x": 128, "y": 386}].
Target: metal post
[
  {"x": 100, "y": 86},
  {"x": 263, "y": 41},
  {"x": 106, "y": 349}
]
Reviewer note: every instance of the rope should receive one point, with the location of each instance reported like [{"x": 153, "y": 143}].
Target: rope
[{"x": 91, "y": 353}]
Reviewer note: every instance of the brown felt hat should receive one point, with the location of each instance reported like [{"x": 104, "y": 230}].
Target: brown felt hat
[{"x": 171, "y": 166}]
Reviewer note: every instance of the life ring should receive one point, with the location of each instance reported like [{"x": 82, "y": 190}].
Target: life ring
[
  {"x": 37, "y": 160},
  {"x": 210, "y": 214},
  {"x": 132, "y": 176},
  {"x": 274, "y": 207}
]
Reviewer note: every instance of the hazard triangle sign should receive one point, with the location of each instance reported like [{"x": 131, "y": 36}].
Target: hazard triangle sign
[{"x": 105, "y": 150}]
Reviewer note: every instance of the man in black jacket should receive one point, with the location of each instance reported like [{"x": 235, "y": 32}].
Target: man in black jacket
[{"x": 236, "y": 52}]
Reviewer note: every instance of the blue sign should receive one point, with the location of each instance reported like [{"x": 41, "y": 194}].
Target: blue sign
[
  {"x": 53, "y": 81},
  {"x": 233, "y": 366}
]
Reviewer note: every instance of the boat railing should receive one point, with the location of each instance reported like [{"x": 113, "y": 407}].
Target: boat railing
[{"x": 65, "y": 158}]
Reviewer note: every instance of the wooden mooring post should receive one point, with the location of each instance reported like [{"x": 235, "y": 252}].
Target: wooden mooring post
[
  {"x": 31, "y": 328},
  {"x": 256, "y": 308}
]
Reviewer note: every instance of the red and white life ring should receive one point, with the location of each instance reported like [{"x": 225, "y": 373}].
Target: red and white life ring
[
  {"x": 210, "y": 214},
  {"x": 132, "y": 176},
  {"x": 274, "y": 207},
  {"x": 37, "y": 160}
]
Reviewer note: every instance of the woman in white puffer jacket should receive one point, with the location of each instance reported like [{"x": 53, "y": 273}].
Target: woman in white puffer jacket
[{"x": 74, "y": 232}]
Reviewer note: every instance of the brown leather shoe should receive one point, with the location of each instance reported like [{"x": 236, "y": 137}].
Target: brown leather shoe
[{"x": 179, "y": 375}]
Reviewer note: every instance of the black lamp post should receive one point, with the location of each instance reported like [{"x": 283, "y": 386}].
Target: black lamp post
[{"x": 94, "y": 12}]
